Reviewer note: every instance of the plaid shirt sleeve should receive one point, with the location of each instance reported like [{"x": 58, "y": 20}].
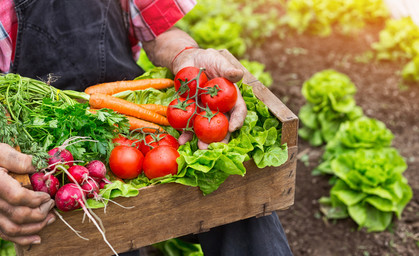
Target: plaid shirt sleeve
[
  {"x": 150, "y": 18},
  {"x": 8, "y": 31}
]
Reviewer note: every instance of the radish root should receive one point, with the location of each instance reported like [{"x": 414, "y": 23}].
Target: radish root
[
  {"x": 68, "y": 225},
  {"x": 97, "y": 226}
]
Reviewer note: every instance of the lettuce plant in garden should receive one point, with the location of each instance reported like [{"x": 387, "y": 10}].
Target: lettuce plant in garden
[
  {"x": 321, "y": 17},
  {"x": 218, "y": 33},
  {"x": 250, "y": 22},
  {"x": 362, "y": 133},
  {"x": 330, "y": 102},
  {"x": 370, "y": 188},
  {"x": 400, "y": 41}
]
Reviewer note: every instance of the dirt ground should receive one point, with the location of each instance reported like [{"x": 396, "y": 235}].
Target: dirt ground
[{"x": 382, "y": 95}]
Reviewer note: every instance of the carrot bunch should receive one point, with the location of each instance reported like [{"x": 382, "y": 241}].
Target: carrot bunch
[{"x": 148, "y": 117}]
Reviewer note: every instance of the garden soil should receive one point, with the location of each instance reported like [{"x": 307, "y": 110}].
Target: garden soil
[{"x": 383, "y": 95}]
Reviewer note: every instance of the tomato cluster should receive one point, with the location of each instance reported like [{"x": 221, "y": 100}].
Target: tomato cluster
[
  {"x": 201, "y": 104},
  {"x": 155, "y": 155}
]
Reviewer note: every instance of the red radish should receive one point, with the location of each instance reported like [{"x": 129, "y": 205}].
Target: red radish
[
  {"x": 69, "y": 197},
  {"x": 62, "y": 155},
  {"x": 90, "y": 188},
  {"x": 97, "y": 169},
  {"x": 59, "y": 155},
  {"x": 45, "y": 183},
  {"x": 103, "y": 182},
  {"x": 79, "y": 173}
]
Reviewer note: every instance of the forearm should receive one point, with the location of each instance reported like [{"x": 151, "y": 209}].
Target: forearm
[{"x": 162, "y": 50}]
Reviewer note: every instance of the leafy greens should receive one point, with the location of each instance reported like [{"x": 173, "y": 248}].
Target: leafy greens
[
  {"x": 370, "y": 188},
  {"x": 330, "y": 102}
]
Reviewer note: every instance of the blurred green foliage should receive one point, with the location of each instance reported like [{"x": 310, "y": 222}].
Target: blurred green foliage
[
  {"x": 399, "y": 41},
  {"x": 321, "y": 17},
  {"x": 7, "y": 248}
]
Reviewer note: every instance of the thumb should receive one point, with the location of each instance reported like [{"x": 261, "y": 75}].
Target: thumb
[{"x": 233, "y": 74}]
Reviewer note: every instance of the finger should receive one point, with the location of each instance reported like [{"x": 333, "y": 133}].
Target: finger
[
  {"x": 202, "y": 145},
  {"x": 238, "y": 113},
  {"x": 226, "y": 138},
  {"x": 11, "y": 229},
  {"x": 15, "y": 161},
  {"x": 22, "y": 240},
  {"x": 12, "y": 192},
  {"x": 23, "y": 214},
  {"x": 185, "y": 137},
  {"x": 216, "y": 65}
]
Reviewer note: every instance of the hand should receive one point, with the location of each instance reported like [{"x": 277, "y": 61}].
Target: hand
[
  {"x": 23, "y": 212},
  {"x": 216, "y": 65}
]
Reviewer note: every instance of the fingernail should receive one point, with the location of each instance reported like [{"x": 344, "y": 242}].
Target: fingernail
[
  {"x": 38, "y": 241},
  {"x": 51, "y": 221}
]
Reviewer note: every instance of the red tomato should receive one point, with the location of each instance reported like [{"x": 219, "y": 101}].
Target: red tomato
[
  {"x": 121, "y": 140},
  {"x": 152, "y": 141},
  {"x": 160, "y": 162},
  {"x": 180, "y": 111},
  {"x": 126, "y": 162},
  {"x": 187, "y": 74},
  {"x": 213, "y": 130},
  {"x": 221, "y": 95}
]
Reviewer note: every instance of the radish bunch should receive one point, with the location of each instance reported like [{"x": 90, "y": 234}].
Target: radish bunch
[
  {"x": 90, "y": 178},
  {"x": 82, "y": 182}
]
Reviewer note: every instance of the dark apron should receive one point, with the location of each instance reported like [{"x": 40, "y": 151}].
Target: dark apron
[{"x": 76, "y": 42}]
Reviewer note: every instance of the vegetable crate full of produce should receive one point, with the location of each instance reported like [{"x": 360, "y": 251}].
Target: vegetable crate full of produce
[{"x": 168, "y": 210}]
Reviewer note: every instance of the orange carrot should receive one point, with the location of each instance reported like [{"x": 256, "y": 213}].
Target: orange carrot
[
  {"x": 159, "y": 109},
  {"x": 120, "y": 86},
  {"x": 135, "y": 123},
  {"x": 125, "y": 107}
]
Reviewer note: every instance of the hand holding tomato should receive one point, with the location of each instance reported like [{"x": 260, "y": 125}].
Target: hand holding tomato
[
  {"x": 215, "y": 65},
  {"x": 235, "y": 116}
]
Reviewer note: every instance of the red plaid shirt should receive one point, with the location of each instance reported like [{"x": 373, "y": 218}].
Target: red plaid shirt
[{"x": 149, "y": 18}]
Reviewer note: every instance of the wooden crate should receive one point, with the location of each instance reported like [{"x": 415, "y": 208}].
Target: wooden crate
[{"x": 171, "y": 210}]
